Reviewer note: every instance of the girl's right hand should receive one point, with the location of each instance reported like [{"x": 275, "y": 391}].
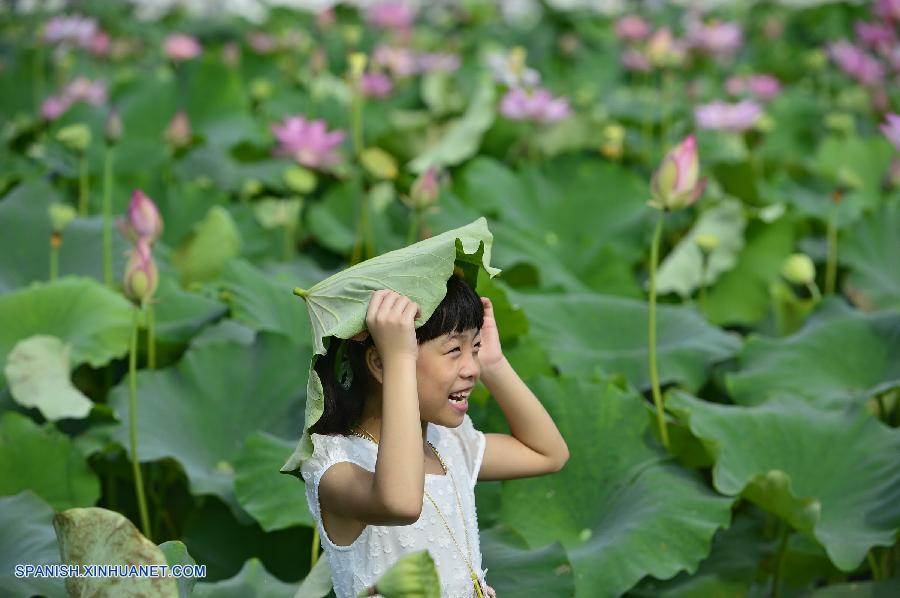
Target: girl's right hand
[{"x": 391, "y": 322}]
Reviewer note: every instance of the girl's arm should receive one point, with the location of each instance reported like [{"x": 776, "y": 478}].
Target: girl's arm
[{"x": 534, "y": 445}]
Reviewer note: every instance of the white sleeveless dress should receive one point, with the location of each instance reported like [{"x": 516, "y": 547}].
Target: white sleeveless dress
[{"x": 359, "y": 565}]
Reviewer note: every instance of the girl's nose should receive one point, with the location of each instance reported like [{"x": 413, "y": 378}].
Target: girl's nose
[{"x": 472, "y": 366}]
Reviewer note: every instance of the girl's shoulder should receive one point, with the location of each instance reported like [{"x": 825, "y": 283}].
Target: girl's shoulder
[{"x": 329, "y": 449}]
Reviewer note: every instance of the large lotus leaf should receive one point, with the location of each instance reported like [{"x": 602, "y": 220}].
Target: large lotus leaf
[
  {"x": 830, "y": 473},
  {"x": 839, "y": 353},
  {"x": 682, "y": 269},
  {"x": 276, "y": 502},
  {"x": 516, "y": 570},
  {"x": 856, "y": 163},
  {"x": 94, "y": 320},
  {"x": 260, "y": 302},
  {"x": 205, "y": 252},
  {"x": 96, "y": 536},
  {"x": 621, "y": 506},
  {"x": 337, "y": 306},
  {"x": 27, "y": 538},
  {"x": 179, "y": 314},
  {"x": 462, "y": 137},
  {"x": 25, "y": 239},
  {"x": 587, "y": 332},
  {"x": 870, "y": 249},
  {"x": 889, "y": 588},
  {"x": 541, "y": 216},
  {"x": 40, "y": 459},
  {"x": 38, "y": 373},
  {"x": 176, "y": 553},
  {"x": 741, "y": 295},
  {"x": 252, "y": 582},
  {"x": 219, "y": 166},
  {"x": 201, "y": 410},
  {"x": 317, "y": 583}
]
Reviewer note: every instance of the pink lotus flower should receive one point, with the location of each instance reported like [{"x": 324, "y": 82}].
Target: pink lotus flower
[
  {"x": 261, "y": 42},
  {"x": 764, "y": 87},
  {"x": 82, "y": 89},
  {"x": 891, "y": 129},
  {"x": 634, "y": 60},
  {"x": 178, "y": 132},
  {"x": 141, "y": 275},
  {"x": 100, "y": 44},
  {"x": 401, "y": 62},
  {"x": 716, "y": 38},
  {"x": 53, "y": 107},
  {"x": 74, "y": 30},
  {"x": 676, "y": 183},
  {"x": 632, "y": 28},
  {"x": 429, "y": 62},
  {"x": 875, "y": 35},
  {"x": 307, "y": 142},
  {"x": 179, "y": 47},
  {"x": 856, "y": 63},
  {"x": 537, "y": 106},
  {"x": 376, "y": 85},
  {"x": 391, "y": 15},
  {"x": 728, "y": 117},
  {"x": 888, "y": 9},
  {"x": 144, "y": 222}
]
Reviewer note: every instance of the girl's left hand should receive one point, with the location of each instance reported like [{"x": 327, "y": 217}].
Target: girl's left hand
[{"x": 491, "y": 354}]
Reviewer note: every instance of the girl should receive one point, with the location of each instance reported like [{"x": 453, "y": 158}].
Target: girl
[{"x": 396, "y": 457}]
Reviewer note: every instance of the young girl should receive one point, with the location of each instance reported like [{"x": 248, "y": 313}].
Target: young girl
[{"x": 396, "y": 457}]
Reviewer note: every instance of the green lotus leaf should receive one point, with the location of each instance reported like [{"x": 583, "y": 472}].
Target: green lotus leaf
[
  {"x": 317, "y": 583},
  {"x": 830, "y": 473},
  {"x": 541, "y": 215},
  {"x": 95, "y": 536},
  {"x": 682, "y": 269},
  {"x": 587, "y": 331},
  {"x": 839, "y": 353},
  {"x": 888, "y": 588},
  {"x": 215, "y": 240},
  {"x": 462, "y": 137},
  {"x": 176, "y": 553},
  {"x": 37, "y": 458},
  {"x": 337, "y": 306},
  {"x": 276, "y": 502},
  {"x": 874, "y": 279},
  {"x": 855, "y": 162},
  {"x": 516, "y": 570},
  {"x": 27, "y": 538},
  {"x": 179, "y": 314},
  {"x": 25, "y": 240},
  {"x": 621, "y": 507},
  {"x": 260, "y": 302},
  {"x": 741, "y": 295},
  {"x": 81, "y": 312},
  {"x": 200, "y": 411},
  {"x": 38, "y": 373},
  {"x": 253, "y": 581}
]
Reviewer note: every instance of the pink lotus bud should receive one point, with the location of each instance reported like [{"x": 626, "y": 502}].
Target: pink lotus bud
[
  {"x": 179, "y": 47},
  {"x": 178, "y": 133},
  {"x": 891, "y": 129},
  {"x": 143, "y": 217},
  {"x": 141, "y": 276},
  {"x": 676, "y": 182},
  {"x": 424, "y": 191},
  {"x": 54, "y": 107}
]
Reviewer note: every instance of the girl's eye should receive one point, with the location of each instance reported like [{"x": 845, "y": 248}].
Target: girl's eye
[{"x": 457, "y": 348}]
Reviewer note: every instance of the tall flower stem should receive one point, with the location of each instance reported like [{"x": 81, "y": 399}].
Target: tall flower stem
[
  {"x": 151, "y": 336},
  {"x": 779, "y": 559},
  {"x": 831, "y": 258},
  {"x": 83, "y": 185},
  {"x": 651, "y": 349},
  {"x": 364, "y": 247},
  {"x": 703, "y": 283},
  {"x": 315, "y": 548},
  {"x": 107, "y": 216},
  {"x": 414, "y": 218},
  {"x": 132, "y": 398},
  {"x": 55, "y": 242}
]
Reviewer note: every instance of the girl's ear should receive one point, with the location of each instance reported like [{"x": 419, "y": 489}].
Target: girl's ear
[{"x": 373, "y": 362}]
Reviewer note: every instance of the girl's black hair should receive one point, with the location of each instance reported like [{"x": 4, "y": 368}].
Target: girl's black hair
[{"x": 460, "y": 310}]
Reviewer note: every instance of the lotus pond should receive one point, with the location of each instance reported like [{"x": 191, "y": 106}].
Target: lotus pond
[{"x": 695, "y": 208}]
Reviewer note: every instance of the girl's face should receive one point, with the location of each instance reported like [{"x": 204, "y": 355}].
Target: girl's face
[{"x": 445, "y": 365}]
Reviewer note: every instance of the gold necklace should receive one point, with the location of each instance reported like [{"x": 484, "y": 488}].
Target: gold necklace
[{"x": 447, "y": 471}]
